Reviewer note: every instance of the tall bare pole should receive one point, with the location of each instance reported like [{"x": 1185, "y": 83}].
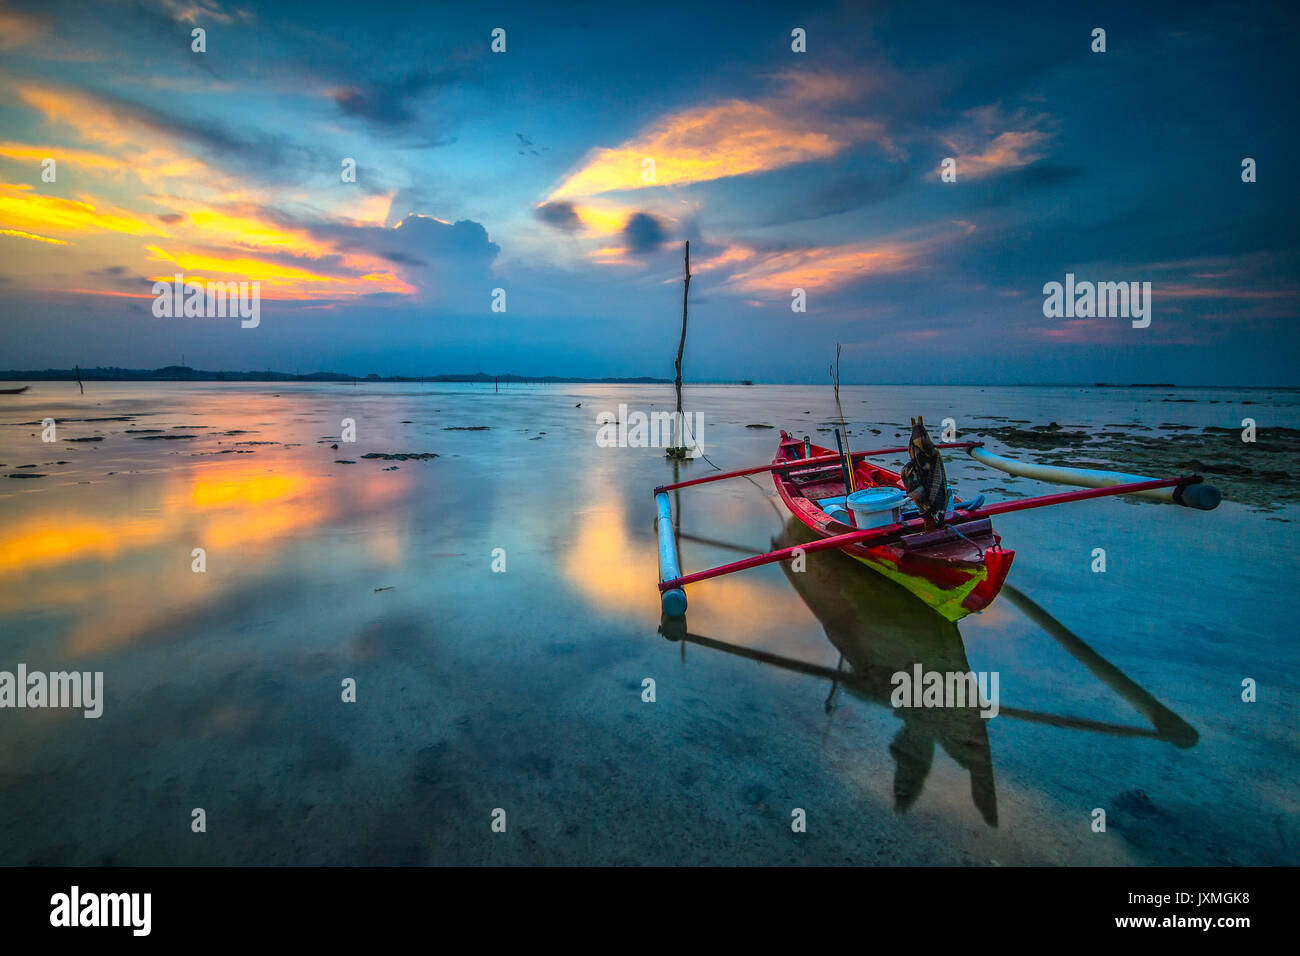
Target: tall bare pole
[
  {"x": 848, "y": 455},
  {"x": 681, "y": 346}
]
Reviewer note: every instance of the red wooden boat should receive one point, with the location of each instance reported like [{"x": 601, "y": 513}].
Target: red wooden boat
[
  {"x": 956, "y": 569},
  {"x": 955, "y": 572}
]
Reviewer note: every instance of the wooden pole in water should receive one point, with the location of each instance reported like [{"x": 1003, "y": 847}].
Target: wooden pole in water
[
  {"x": 79, "y": 385},
  {"x": 850, "y": 484},
  {"x": 679, "y": 451}
]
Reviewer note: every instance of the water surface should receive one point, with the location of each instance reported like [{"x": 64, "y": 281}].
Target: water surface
[{"x": 522, "y": 690}]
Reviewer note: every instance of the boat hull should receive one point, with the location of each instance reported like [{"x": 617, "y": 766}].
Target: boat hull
[{"x": 954, "y": 574}]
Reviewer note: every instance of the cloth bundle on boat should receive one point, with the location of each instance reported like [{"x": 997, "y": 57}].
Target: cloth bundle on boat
[{"x": 924, "y": 477}]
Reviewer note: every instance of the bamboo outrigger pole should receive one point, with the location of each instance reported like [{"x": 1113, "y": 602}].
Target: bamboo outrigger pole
[
  {"x": 1202, "y": 496},
  {"x": 674, "y": 585}
]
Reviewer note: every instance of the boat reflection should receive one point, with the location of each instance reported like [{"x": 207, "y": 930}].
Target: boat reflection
[{"x": 880, "y": 629}]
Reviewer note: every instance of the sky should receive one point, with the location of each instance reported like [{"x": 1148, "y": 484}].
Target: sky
[{"x": 568, "y": 169}]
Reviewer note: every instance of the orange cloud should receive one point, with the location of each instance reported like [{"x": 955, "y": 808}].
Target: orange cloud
[
  {"x": 823, "y": 267},
  {"x": 1182, "y": 291},
  {"x": 92, "y": 120},
  {"x": 612, "y": 256},
  {"x": 368, "y": 210},
  {"x": 19, "y": 29},
  {"x": 827, "y": 267},
  {"x": 197, "y": 12},
  {"x": 980, "y": 150},
  {"x": 1009, "y": 150},
  {"x": 729, "y": 138},
  {"x": 730, "y": 256}
]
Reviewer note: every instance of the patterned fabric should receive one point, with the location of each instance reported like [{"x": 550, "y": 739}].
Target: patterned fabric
[{"x": 924, "y": 478}]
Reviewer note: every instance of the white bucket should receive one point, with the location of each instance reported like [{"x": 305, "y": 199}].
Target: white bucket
[{"x": 876, "y": 507}]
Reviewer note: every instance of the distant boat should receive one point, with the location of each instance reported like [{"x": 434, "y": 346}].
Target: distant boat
[{"x": 14, "y": 391}]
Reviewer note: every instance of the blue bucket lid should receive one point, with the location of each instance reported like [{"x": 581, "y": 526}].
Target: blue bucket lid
[{"x": 877, "y": 498}]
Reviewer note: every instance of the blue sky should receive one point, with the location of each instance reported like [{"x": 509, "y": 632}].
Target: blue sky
[{"x": 525, "y": 171}]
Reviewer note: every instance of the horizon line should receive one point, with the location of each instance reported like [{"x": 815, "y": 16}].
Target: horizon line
[{"x": 268, "y": 375}]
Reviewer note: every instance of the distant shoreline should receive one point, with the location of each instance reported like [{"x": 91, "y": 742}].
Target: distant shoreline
[{"x": 182, "y": 373}]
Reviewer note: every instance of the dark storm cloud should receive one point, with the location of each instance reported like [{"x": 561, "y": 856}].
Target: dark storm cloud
[
  {"x": 424, "y": 235},
  {"x": 392, "y": 101},
  {"x": 843, "y": 195},
  {"x": 116, "y": 277},
  {"x": 402, "y": 259},
  {"x": 1010, "y": 187},
  {"x": 1046, "y": 174},
  {"x": 644, "y": 233},
  {"x": 559, "y": 214}
]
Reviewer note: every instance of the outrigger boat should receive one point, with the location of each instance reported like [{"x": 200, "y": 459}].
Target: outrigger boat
[
  {"x": 955, "y": 572},
  {"x": 956, "y": 568}
]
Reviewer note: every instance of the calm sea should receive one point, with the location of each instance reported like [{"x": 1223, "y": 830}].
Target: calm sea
[{"x": 522, "y": 690}]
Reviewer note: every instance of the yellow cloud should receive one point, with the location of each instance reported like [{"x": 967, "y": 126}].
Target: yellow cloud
[
  {"x": 602, "y": 219},
  {"x": 242, "y": 224},
  {"x": 20, "y": 208},
  {"x": 19, "y": 234},
  {"x": 61, "y": 154},
  {"x": 97, "y": 122},
  {"x": 220, "y": 218},
  {"x": 279, "y": 280}
]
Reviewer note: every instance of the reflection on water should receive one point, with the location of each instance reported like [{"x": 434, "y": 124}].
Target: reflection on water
[
  {"x": 132, "y": 573},
  {"x": 522, "y": 689},
  {"x": 880, "y": 630}
]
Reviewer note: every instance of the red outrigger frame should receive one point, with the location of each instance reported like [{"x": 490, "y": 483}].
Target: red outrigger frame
[{"x": 869, "y": 543}]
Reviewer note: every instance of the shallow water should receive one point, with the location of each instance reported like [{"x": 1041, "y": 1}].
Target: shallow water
[{"x": 522, "y": 690}]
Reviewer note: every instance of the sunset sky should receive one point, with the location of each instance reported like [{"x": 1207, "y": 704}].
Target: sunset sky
[{"x": 525, "y": 171}]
